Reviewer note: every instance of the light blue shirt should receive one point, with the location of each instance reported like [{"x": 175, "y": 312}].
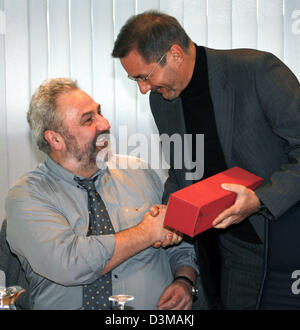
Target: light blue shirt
[{"x": 47, "y": 222}]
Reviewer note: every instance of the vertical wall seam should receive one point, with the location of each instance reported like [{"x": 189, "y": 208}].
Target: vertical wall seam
[
  {"x": 136, "y": 87},
  {"x": 47, "y": 28},
  {"x": 28, "y": 6},
  {"x": 231, "y": 25},
  {"x": 5, "y": 105},
  {"x": 48, "y": 38},
  {"x": 70, "y": 38},
  {"x": 283, "y": 30},
  {"x": 207, "y": 23},
  {"x": 92, "y": 25},
  {"x": 257, "y": 23},
  {"x": 29, "y": 48},
  {"x": 114, "y": 65}
]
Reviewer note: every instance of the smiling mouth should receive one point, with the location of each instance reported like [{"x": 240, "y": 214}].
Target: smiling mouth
[
  {"x": 102, "y": 141},
  {"x": 102, "y": 145}
]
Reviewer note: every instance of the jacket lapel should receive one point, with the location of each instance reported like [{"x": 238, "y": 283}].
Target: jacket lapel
[
  {"x": 169, "y": 118},
  {"x": 168, "y": 115},
  {"x": 222, "y": 94}
]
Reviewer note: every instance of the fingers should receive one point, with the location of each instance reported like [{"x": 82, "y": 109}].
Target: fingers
[
  {"x": 168, "y": 240},
  {"x": 172, "y": 304},
  {"x": 176, "y": 238},
  {"x": 176, "y": 303},
  {"x": 166, "y": 302},
  {"x": 164, "y": 236},
  {"x": 157, "y": 244},
  {"x": 246, "y": 203},
  {"x": 175, "y": 297},
  {"x": 224, "y": 223},
  {"x": 225, "y": 218},
  {"x": 172, "y": 238}
]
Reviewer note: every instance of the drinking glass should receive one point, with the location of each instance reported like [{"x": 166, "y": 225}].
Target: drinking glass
[{"x": 120, "y": 300}]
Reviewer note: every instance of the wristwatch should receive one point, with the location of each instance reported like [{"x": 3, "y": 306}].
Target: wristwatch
[{"x": 194, "y": 290}]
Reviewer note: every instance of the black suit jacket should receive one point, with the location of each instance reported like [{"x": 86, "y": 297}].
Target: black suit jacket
[{"x": 256, "y": 101}]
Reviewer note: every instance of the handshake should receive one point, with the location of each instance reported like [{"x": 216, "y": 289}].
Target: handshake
[{"x": 153, "y": 225}]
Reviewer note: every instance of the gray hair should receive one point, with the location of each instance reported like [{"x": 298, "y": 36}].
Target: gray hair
[{"x": 42, "y": 114}]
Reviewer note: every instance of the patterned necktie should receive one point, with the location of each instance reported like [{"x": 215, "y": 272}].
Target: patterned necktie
[{"x": 95, "y": 295}]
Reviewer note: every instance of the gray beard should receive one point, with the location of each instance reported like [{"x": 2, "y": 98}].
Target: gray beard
[{"x": 86, "y": 158}]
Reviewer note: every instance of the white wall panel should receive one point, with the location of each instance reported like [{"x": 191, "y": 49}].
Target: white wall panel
[
  {"x": 219, "y": 24},
  {"x": 103, "y": 64},
  {"x": 174, "y": 8},
  {"x": 292, "y": 35},
  {"x": 81, "y": 43},
  {"x": 270, "y": 26},
  {"x": 4, "y": 167},
  {"x": 244, "y": 24},
  {"x": 143, "y": 5},
  {"x": 195, "y": 20},
  {"x": 125, "y": 89},
  {"x": 38, "y": 56},
  {"x": 59, "y": 38},
  {"x": 145, "y": 121},
  {"x": 38, "y": 42},
  {"x": 17, "y": 88},
  {"x": 74, "y": 38}
]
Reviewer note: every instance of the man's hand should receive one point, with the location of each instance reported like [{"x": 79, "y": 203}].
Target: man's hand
[
  {"x": 176, "y": 296},
  {"x": 131, "y": 241},
  {"x": 173, "y": 237},
  {"x": 246, "y": 203}
]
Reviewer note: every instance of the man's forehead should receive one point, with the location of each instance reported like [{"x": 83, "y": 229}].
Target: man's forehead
[
  {"x": 75, "y": 101},
  {"x": 74, "y": 97},
  {"x": 134, "y": 61}
]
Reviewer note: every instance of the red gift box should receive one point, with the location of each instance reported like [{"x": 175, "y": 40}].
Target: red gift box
[{"x": 193, "y": 209}]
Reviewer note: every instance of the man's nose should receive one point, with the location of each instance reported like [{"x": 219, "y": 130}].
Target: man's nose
[
  {"x": 144, "y": 86},
  {"x": 102, "y": 124}
]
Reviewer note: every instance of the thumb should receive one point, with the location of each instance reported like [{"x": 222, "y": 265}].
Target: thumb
[
  {"x": 231, "y": 187},
  {"x": 154, "y": 211}
]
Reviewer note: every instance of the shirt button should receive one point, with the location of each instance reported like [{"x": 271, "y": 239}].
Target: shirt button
[{"x": 116, "y": 276}]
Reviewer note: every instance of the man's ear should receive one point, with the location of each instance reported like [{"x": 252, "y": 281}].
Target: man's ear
[
  {"x": 177, "y": 54},
  {"x": 54, "y": 139}
]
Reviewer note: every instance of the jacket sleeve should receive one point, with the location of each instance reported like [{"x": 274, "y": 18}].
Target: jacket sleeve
[
  {"x": 170, "y": 186},
  {"x": 279, "y": 94}
]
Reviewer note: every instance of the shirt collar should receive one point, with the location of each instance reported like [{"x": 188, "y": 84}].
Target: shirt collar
[{"x": 63, "y": 174}]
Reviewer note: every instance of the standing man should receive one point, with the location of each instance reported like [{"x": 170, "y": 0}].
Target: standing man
[
  {"x": 247, "y": 105},
  {"x": 84, "y": 233}
]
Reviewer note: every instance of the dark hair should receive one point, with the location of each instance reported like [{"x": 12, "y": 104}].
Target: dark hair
[{"x": 152, "y": 34}]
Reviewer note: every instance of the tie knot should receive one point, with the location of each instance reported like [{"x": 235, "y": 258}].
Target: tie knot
[{"x": 88, "y": 185}]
